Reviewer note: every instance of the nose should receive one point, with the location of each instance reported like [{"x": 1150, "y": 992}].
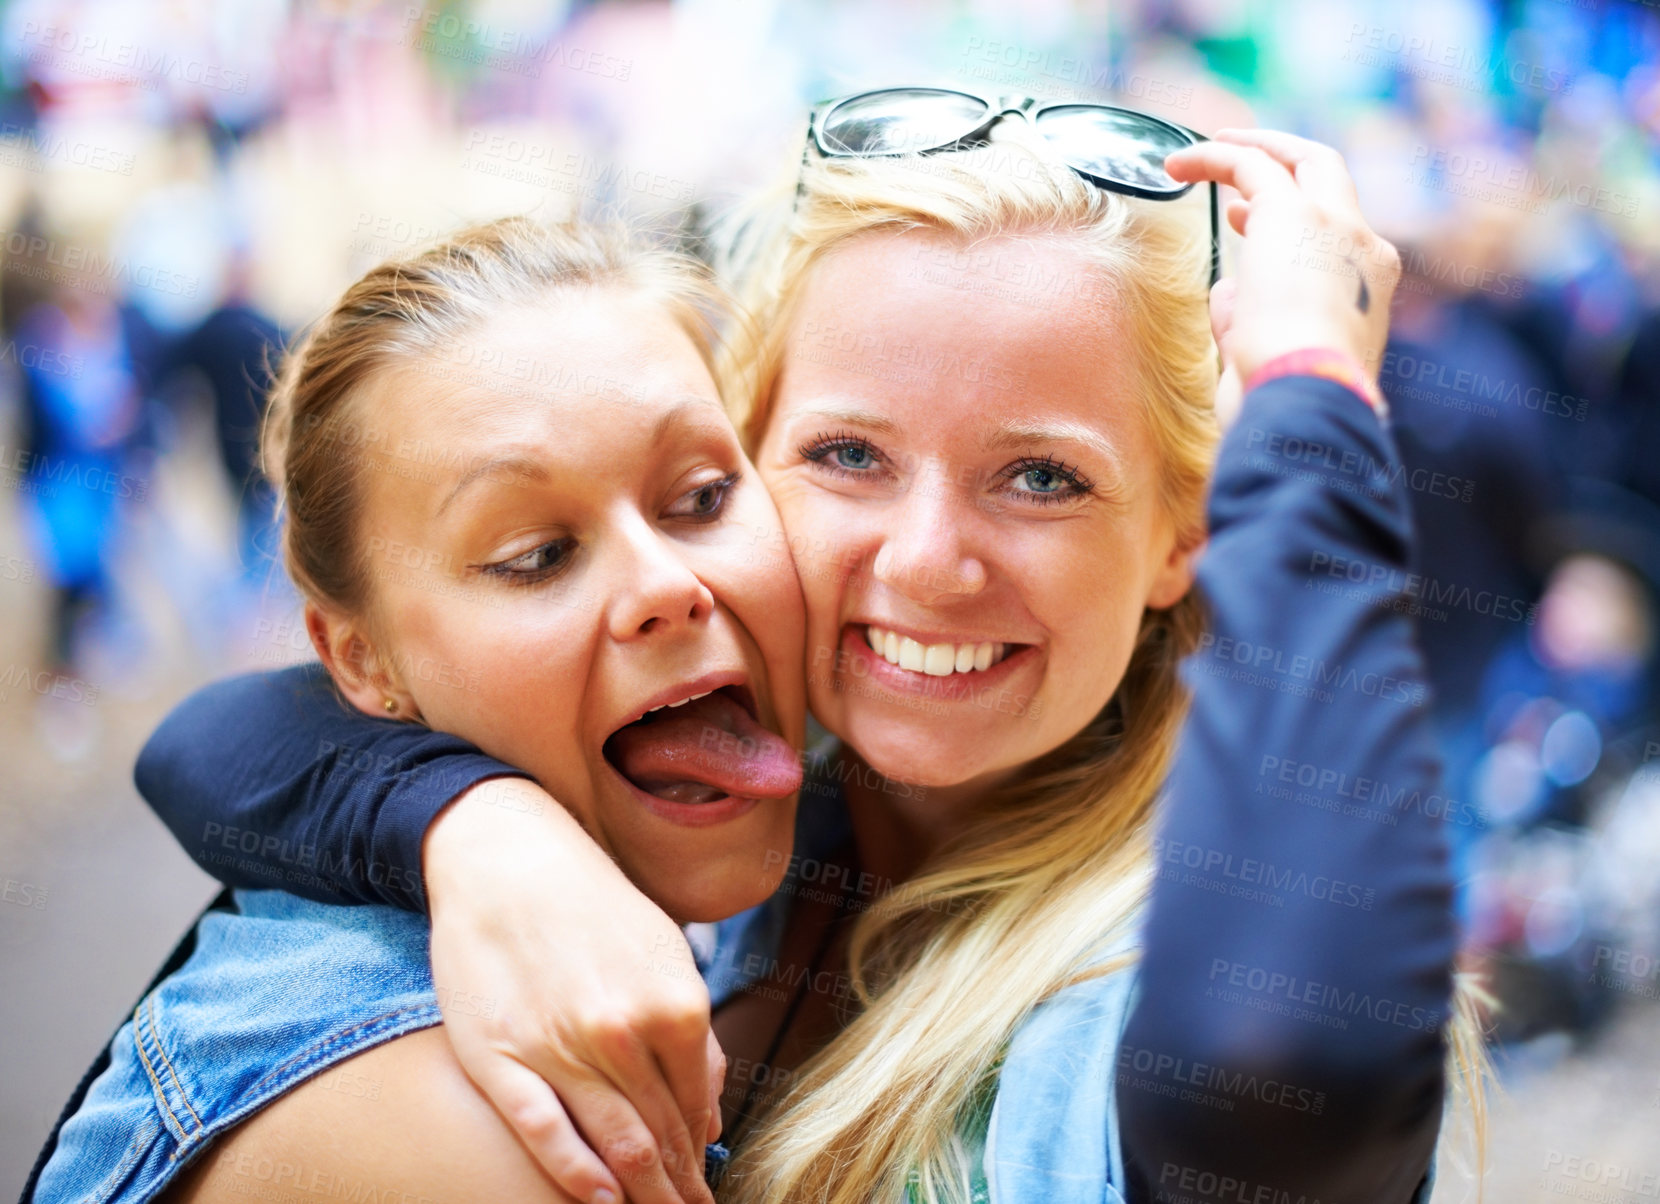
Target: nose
[
  {"x": 925, "y": 553},
  {"x": 658, "y": 591}
]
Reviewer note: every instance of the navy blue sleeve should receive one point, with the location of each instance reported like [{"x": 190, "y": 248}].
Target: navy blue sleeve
[
  {"x": 273, "y": 780},
  {"x": 1296, "y": 975}
]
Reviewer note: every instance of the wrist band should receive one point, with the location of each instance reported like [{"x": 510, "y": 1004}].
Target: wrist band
[{"x": 1324, "y": 362}]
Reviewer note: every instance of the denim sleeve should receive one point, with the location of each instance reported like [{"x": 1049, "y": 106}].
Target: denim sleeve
[
  {"x": 1298, "y": 949},
  {"x": 272, "y": 780}
]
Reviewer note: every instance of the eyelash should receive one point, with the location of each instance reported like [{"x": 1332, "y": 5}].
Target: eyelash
[
  {"x": 503, "y": 569},
  {"x": 818, "y": 451},
  {"x": 1077, "y": 484}
]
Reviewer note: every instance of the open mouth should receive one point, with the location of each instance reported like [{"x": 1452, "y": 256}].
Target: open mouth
[{"x": 705, "y": 750}]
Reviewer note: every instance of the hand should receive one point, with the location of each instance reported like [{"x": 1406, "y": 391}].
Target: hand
[
  {"x": 1312, "y": 273},
  {"x": 585, "y": 1021}
]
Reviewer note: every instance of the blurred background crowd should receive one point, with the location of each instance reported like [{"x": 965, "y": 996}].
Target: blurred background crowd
[{"x": 184, "y": 184}]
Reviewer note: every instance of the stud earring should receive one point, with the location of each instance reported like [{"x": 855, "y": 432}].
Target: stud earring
[{"x": 391, "y": 705}]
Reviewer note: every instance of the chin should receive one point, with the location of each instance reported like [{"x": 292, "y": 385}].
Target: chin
[
  {"x": 928, "y": 755},
  {"x": 712, "y": 875},
  {"x": 721, "y": 892}
]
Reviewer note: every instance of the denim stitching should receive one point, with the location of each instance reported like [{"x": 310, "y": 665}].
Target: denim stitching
[
  {"x": 158, "y": 1091},
  {"x": 161, "y": 1049},
  {"x": 336, "y": 1038},
  {"x": 146, "y": 1134},
  {"x": 250, "y": 1106}
]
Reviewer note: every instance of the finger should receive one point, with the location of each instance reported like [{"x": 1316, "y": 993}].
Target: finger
[
  {"x": 717, "y": 1084},
  {"x": 533, "y": 1111},
  {"x": 644, "y": 1162},
  {"x": 1222, "y": 296},
  {"x": 1318, "y": 168},
  {"x": 1237, "y": 213},
  {"x": 1249, "y": 169},
  {"x": 688, "y": 1058},
  {"x": 635, "y": 1079}
]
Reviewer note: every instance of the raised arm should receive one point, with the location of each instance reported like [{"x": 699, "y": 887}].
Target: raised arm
[
  {"x": 1297, "y": 961},
  {"x": 271, "y": 781}
]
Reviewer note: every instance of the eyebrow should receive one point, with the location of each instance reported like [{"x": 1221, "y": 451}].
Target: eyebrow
[
  {"x": 854, "y": 416},
  {"x": 527, "y": 464},
  {"x": 1015, "y": 433},
  {"x": 520, "y": 463}
]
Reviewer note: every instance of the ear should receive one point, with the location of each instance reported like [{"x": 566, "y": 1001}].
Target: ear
[
  {"x": 1174, "y": 577},
  {"x": 348, "y": 654}
]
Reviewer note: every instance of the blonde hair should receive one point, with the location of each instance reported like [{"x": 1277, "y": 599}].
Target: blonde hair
[
  {"x": 1058, "y": 866},
  {"x": 406, "y": 310}
]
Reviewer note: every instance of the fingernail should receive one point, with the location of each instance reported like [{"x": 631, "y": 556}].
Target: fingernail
[{"x": 603, "y": 1196}]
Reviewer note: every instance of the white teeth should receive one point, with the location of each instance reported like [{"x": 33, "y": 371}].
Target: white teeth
[
  {"x": 936, "y": 660},
  {"x": 681, "y": 703},
  {"x": 940, "y": 660}
]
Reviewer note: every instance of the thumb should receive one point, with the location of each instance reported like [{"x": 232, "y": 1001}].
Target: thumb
[{"x": 1222, "y": 296}]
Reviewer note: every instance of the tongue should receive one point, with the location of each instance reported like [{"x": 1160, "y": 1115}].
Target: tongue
[{"x": 703, "y": 750}]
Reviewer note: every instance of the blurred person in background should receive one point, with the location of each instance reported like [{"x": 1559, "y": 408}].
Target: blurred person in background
[
  {"x": 235, "y": 348},
  {"x": 84, "y": 421}
]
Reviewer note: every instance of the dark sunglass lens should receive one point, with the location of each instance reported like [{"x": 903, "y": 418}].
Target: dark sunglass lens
[
  {"x": 1123, "y": 147},
  {"x": 900, "y": 122}
]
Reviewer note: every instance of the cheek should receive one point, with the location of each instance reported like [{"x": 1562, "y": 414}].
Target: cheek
[{"x": 494, "y": 670}]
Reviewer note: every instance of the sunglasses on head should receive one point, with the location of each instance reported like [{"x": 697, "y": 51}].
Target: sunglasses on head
[{"x": 1120, "y": 150}]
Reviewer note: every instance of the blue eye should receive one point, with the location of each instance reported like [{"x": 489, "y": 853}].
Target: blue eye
[
  {"x": 1046, "y": 480},
  {"x": 842, "y": 453},
  {"x": 1042, "y": 480}
]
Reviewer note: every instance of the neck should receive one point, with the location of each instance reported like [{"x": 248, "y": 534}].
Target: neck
[{"x": 897, "y": 826}]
